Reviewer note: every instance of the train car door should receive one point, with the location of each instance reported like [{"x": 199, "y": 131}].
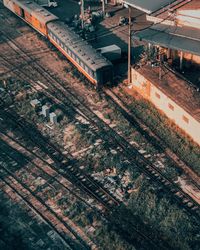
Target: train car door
[{"x": 22, "y": 13}]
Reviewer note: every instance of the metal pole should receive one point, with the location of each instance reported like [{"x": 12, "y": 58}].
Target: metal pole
[
  {"x": 129, "y": 45},
  {"x": 103, "y": 7},
  {"x": 160, "y": 64},
  {"x": 160, "y": 72},
  {"x": 82, "y": 14}
]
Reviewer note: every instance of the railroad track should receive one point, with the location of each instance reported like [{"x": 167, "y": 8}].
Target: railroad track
[
  {"x": 87, "y": 182},
  {"x": 37, "y": 204},
  {"x": 8, "y": 185},
  {"x": 72, "y": 172},
  {"x": 80, "y": 111},
  {"x": 136, "y": 229},
  {"x": 11, "y": 155},
  {"x": 154, "y": 139},
  {"x": 43, "y": 165},
  {"x": 69, "y": 98}
]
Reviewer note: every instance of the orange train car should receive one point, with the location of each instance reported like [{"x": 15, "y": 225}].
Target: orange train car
[
  {"x": 32, "y": 13},
  {"x": 87, "y": 60}
]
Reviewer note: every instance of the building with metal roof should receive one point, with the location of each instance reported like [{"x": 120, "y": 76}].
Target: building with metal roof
[
  {"x": 178, "y": 38},
  {"x": 150, "y": 6}
]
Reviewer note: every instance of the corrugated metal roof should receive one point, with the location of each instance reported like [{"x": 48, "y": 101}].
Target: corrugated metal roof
[
  {"x": 148, "y": 6},
  {"x": 186, "y": 32},
  {"x": 179, "y": 38}
]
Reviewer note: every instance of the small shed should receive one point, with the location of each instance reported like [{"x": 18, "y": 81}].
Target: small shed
[{"x": 45, "y": 110}]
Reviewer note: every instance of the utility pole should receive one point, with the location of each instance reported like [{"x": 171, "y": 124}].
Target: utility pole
[
  {"x": 129, "y": 44},
  {"x": 103, "y": 7}
]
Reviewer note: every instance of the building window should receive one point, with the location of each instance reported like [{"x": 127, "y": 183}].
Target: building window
[
  {"x": 157, "y": 95},
  {"x": 185, "y": 119},
  {"x": 171, "y": 106}
]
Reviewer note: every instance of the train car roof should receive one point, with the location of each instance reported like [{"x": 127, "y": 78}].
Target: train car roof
[
  {"x": 86, "y": 53},
  {"x": 43, "y": 15}
]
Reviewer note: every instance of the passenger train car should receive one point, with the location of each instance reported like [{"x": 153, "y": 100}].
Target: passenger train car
[
  {"x": 32, "y": 13},
  {"x": 92, "y": 64},
  {"x": 86, "y": 59}
]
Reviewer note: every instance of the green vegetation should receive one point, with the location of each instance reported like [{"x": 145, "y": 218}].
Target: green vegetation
[
  {"x": 164, "y": 216},
  {"x": 109, "y": 239},
  {"x": 174, "y": 137}
]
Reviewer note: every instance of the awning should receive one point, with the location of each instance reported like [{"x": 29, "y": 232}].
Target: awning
[
  {"x": 178, "y": 38},
  {"x": 150, "y": 6}
]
